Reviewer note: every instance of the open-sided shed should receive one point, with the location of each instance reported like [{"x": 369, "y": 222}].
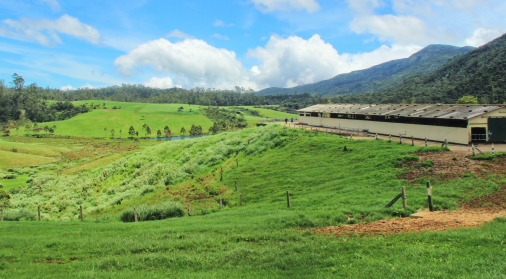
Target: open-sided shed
[{"x": 461, "y": 124}]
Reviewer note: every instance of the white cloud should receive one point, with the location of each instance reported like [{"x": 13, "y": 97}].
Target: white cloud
[
  {"x": 221, "y": 37},
  {"x": 67, "y": 87},
  {"x": 268, "y": 6},
  {"x": 46, "y": 31},
  {"x": 163, "y": 82},
  {"x": 295, "y": 61},
  {"x": 192, "y": 60},
  {"x": 219, "y": 23},
  {"x": 402, "y": 29},
  {"x": 53, "y": 4},
  {"x": 365, "y": 6},
  {"x": 87, "y": 85},
  {"x": 178, "y": 34},
  {"x": 482, "y": 36}
]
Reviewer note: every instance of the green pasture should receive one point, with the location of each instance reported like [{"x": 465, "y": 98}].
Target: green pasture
[
  {"x": 157, "y": 116},
  {"x": 264, "y": 113},
  {"x": 261, "y": 238}
]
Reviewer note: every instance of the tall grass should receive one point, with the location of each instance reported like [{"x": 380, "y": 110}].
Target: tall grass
[{"x": 153, "y": 212}]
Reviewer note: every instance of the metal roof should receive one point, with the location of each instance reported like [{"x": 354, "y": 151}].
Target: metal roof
[{"x": 409, "y": 110}]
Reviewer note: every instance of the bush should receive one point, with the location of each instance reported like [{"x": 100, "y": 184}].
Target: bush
[
  {"x": 20, "y": 215},
  {"x": 10, "y": 176},
  {"x": 1, "y": 185},
  {"x": 153, "y": 212}
]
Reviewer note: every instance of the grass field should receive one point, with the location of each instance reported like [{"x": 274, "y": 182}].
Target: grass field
[{"x": 262, "y": 238}]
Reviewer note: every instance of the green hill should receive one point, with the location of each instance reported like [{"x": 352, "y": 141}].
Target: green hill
[
  {"x": 261, "y": 238},
  {"x": 479, "y": 73},
  {"x": 380, "y": 77}
]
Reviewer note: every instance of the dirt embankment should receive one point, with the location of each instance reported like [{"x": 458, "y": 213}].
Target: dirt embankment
[{"x": 447, "y": 165}]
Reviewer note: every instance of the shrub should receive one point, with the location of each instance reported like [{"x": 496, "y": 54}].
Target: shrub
[
  {"x": 20, "y": 215},
  {"x": 10, "y": 176},
  {"x": 1, "y": 185},
  {"x": 153, "y": 212}
]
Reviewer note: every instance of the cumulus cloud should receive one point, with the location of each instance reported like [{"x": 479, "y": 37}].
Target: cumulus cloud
[
  {"x": 295, "y": 61},
  {"x": 163, "y": 82},
  {"x": 482, "y": 36},
  {"x": 87, "y": 86},
  {"x": 46, "y": 31},
  {"x": 67, "y": 87},
  {"x": 219, "y": 23},
  {"x": 53, "y": 4},
  {"x": 402, "y": 29},
  {"x": 178, "y": 34},
  {"x": 192, "y": 60},
  {"x": 268, "y": 6},
  {"x": 221, "y": 37}
]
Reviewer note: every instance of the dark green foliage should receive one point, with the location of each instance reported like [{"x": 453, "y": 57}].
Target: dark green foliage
[
  {"x": 20, "y": 215},
  {"x": 488, "y": 156},
  {"x": 196, "y": 130},
  {"x": 153, "y": 212},
  {"x": 380, "y": 77},
  {"x": 224, "y": 119}
]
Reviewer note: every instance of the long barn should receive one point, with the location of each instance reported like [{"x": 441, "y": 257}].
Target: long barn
[{"x": 461, "y": 124}]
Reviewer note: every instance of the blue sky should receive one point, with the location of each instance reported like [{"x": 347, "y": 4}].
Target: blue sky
[{"x": 221, "y": 44}]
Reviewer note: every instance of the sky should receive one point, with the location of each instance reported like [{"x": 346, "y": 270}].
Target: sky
[{"x": 222, "y": 44}]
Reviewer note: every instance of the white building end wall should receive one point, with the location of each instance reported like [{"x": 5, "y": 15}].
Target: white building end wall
[{"x": 435, "y": 133}]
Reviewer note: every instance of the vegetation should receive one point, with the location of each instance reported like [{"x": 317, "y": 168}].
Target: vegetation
[{"x": 153, "y": 212}]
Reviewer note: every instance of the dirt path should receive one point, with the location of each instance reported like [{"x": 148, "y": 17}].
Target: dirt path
[{"x": 433, "y": 221}]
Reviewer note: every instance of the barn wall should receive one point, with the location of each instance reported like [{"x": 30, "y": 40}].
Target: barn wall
[
  {"x": 482, "y": 121},
  {"x": 436, "y": 133}
]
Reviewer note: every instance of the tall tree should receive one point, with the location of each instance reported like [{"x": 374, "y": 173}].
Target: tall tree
[
  {"x": 183, "y": 131},
  {"x": 131, "y": 131}
]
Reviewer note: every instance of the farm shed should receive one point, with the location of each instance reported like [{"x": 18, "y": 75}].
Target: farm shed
[{"x": 462, "y": 124}]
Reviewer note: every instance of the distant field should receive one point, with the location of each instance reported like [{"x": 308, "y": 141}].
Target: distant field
[
  {"x": 264, "y": 113},
  {"x": 157, "y": 116}
]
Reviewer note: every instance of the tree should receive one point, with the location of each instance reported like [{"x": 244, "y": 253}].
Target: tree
[
  {"x": 137, "y": 133},
  {"x": 167, "y": 131},
  {"x": 51, "y": 131},
  {"x": 4, "y": 198},
  {"x": 54, "y": 126},
  {"x": 27, "y": 128},
  {"x": 112, "y": 133},
  {"x": 46, "y": 129},
  {"x": 148, "y": 130},
  {"x": 131, "y": 131},
  {"x": 180, "y": 109},
  {"x": 158, "y": 134},
  {"x": 105, "y": 132},
  {"x": 183, "y": 131},
  {"x": 467, "y": 100},
  {"x": 17, "y": 130},
  {"x": 18, "y": 82},
  {"x": 6, "y": 131},
  {"x": 36, "y": 128},
  {"x": 120, "y": 133}
]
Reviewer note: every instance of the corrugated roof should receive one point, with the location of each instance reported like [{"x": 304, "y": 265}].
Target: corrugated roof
[{"x": 409, "y": 110}]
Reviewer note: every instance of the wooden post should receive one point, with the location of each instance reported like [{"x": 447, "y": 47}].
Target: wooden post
[
  {"x": 288, "y": 198},
  {"x": 446, "y": 143},
  {"x": 389, "y": 138},
  {"x": 425, "y": 142},
  {"x": 135, "y": 214},
  {"x": 429, "y": 195},
  {"x": 189, "y": 212},
  {"x": 412, "y": 141},
  {"x": 221, "y": 177},
  {"x": 81, "y": 211},
  {"x": 237, "y": 162},
  {"x": 377, "y": 136},
  {"x": 400, "y": 139},
  {"x": 240, "y": 196},
  {"x": 236, "y": 185},
  {"x": 493, "y": 151},
  {"x": 221, "y": 203},
  {"x": 2, "y": 217},
  {"x": 351, "y": 136},
  {"x": 38, "y": 209},
  {"x": 404, "y": 201},
  {"x": 474, "y": 152}
]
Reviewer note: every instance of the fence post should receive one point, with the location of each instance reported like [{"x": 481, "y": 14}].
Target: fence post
[
  {"x": 412, "y": 141},
  {"x": 493, "y": 149},
  {"x": 425, "y": 142},
  {"x": 288, "y": 198},
  {"x": 474, "y": 152},
  {"x": 221, "y": 203},
  {"x": 377, "y": 136},
  {"x": 446, "y": 143},
  {"x": 236, "y": 185},
  {"x": 400, "y": 139},
  {"x": 2, "y": 217},
  {"x": 221, "y": 177},
  {"x": 351, "y": 136},
  {"x": 38, "y": 209},
  {"x": 389, "y": 138},
  {"x": 429, "y": 195},
  {"x": 81, "y": 211},
  {"x": 240, "y": 196},
  {"x": 404, "y": 201},
  {"x": 237, "y": 162},
  {"x": 189, "y": 212},
  {"x": 135, "y": 214}
]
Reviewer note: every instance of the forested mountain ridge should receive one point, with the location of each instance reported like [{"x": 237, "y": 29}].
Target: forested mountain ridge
[
  {"x": 480, "y": 73},
  {"x": 380, "y": 77}
]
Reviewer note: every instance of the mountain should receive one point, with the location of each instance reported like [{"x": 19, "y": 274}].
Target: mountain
[
  {"x": 480, "y": 73},
  {"x": 380, "y": 77}
]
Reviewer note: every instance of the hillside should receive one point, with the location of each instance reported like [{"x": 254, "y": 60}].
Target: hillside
[
  {"x": 480, "y": 73},
  {"x": 380, "y": 77},
  {"x": 261, "y": 238}
]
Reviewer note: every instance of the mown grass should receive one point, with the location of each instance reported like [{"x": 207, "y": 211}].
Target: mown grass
[{"x": 11, "y": 159}]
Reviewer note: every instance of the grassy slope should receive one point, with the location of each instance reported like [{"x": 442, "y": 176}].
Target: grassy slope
[
  {"x": 263, "y": 238},
  {"x": 157, "y": 116},
  {"x": 253, "y": 120}
]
